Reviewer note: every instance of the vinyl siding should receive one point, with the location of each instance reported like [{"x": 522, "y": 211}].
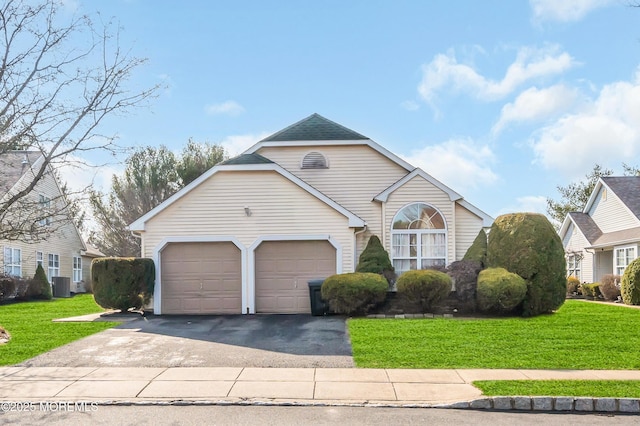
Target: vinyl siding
[
  {"x": 356, "y": 174},
  {"x": 65, "y": 242},
  {"x": 278, "y": 207},
  {"x": 468, "y": 225},
  {"x": 419, "y": 190},
  {"x": 611, "y": 214},
  {"x": 574, "y": 241}
]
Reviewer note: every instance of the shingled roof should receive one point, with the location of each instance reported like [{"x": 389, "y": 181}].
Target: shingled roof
[
  {"x": 246, "y": 159},
  {"x": 587, "y": 226},
  {"x": 13, "y": 164},
  {"x": 627, "y": 188},
  {"x": 315, "y": 128}
]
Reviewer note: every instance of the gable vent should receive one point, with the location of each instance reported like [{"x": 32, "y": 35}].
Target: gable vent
[{"x": 314, "y": 160}]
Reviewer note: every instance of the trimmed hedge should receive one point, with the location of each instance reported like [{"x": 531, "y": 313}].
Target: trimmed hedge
[
  {"x": 630, "y": 286},
  {"x": 122, "y": 282},
  {"x": 591, "y": 290},
  {"x": 500, "y": 291},
  {"x": 528, "y": 245},
  {"x": 7, "y": 287},
  {"x": 425, "y": 287},
  {"x": 478, "y": 249},
  {"x": 40, "y": 287},
  {"x": 573, "y": 285},
  {"x": 375, "y": 259},
  {"x": 354, "y": 293}
]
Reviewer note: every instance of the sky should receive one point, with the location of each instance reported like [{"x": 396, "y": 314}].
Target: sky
[{"x": 500, "y": 100}]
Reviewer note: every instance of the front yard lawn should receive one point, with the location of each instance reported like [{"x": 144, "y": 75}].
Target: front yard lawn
[
  {"x": 579, "y": 336},
  {"x": 589, "y": 388},
  {"x": 32, "y": 331}
]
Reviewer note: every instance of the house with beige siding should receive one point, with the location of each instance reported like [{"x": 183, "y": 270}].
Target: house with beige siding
[
  {"x": 58, "y": 246},
  {"x": 301, "y": 204},
  {"x": 605, "y": 237}
]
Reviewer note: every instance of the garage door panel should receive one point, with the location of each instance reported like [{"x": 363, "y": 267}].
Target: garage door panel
[
  {"x": 283, "y": 269},
  {"x": 207, "y": 280}
]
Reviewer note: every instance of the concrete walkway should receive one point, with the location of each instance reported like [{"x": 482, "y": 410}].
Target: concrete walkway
[{"x": 308, "y": 386}]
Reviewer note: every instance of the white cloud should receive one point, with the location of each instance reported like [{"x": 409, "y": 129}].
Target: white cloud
[
  {"x": 536, "y": 104},
  {"x": 459, "y": 164},
  {"x": 236, "y": 144},
  {"x": 564, "y": 10},
  {"x": 444, "y": 72},
  {"x": 410, "y": 105},
  {"x": 228, "y": 107},
  {"x": 527, "y": 204},
  {"x": 79, "y": 174},
  {"x": 605, "y": 131}
]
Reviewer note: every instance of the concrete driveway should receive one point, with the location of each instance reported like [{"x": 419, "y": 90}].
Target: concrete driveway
[{"x": 210, "y": 341}]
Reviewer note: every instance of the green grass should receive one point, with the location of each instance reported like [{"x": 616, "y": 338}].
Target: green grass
[
  {"x": 589, "y": 388},
  {"x": 579, "y": 336},
  {"x": 32, "y": 331}
]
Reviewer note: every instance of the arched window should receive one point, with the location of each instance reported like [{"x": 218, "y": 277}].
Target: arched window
[
  {"x": 418, "y": 238},
  {"x": 314, "y": 160}
]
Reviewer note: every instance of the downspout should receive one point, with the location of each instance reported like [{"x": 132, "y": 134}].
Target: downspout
[
  {"x": 355, "y": 246},
  {"x": 138, "y": 236}
]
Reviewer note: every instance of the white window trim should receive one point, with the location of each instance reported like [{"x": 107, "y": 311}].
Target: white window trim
[
  {"x": 419, "y": 233},
  {"x": 39, "y": 259},
  {"x": 574, "y": 266},
  {"x": 45, "y": 205},
  {"x": 618, "y": 269},
  {"x": 77, "y": 269},
  {"x": 10, "y": 267},
  {"x": 53, "y": 271}
]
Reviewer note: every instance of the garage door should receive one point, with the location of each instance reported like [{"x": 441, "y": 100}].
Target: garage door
[
  {"x": 201, "y": 278},
  {"x": 283, "y": 269}
]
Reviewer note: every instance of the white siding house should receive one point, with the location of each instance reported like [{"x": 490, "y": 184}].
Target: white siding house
[
  {"x": 60, "y": 252},
  {"x": 298, "y": 205},
  {"x": 605, "y": 237}
]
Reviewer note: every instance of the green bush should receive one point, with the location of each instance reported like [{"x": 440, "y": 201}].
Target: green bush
[
  {"x": 500, "y": 291},
  {"x": 630, "y": 286},
  {"x": 375, "y": 259},
  {"x": 478, "y": 249},
  {"x": 424, "y": 287},
  {"x": 591, "y": 290},
  {"x": 610, "y": 287},
  {"x": 122, "y": 282},
  {"x": 528, "y": 245},
  {"x": 354, "y": 293},
  {"x": 573, "y": 284},
  {"x": 7, "y": 287},
  {"x": 39, "y": 288}
]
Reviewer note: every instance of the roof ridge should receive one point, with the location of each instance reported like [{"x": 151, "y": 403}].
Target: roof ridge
[{"x": 314, "y": 127}]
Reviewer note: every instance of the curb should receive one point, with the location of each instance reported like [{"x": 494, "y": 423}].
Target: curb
[{"x": 497, "y": 403}]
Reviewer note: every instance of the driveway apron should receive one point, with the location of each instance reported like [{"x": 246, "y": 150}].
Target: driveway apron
[{"x": 210, "y": 341}]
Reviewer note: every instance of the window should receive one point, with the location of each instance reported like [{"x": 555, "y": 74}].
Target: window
[
  {"x": 418, "y": 238},
  {"x": 45, "y": 206},
  {"x": 39, "y": 259},
  {"x": 77, "y": 269},
  {"x": 574, "y": 262},
  {"x": 622, "y": 258},
  {"x": 13, "y": 261},
  {"x": 314, "y": 160},
  {"x": 54, "y": 266}
]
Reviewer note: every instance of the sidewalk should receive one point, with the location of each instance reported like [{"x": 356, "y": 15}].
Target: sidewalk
[{"x": 299, "y": 386}]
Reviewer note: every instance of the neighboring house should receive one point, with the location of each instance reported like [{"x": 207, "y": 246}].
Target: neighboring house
[
  {"x": 301, "y": 204},
  {"x": 61, "y": 253},
  {"x": 92, "y": 252},
  {"x": 604, "y": 238}
]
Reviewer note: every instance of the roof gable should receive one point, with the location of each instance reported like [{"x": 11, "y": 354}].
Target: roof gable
[
  {"x": 314, "y": 128},
  {"x": 13, "y": 165},
  {"x": 585, "y": 224},
  {"x": 354, "y": 220},
  {"x": 627, "y": 188}
]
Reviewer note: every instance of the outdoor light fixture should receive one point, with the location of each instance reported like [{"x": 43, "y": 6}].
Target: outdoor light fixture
[{"x": 247, "y": 211}]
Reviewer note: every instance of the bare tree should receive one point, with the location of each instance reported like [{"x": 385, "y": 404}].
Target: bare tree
[{"x": 59, "y": 78}]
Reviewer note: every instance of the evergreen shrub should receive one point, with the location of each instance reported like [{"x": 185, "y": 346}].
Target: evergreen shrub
[
  {"x": 354, "y": 293},
  {"x": 122, "y": 282},
  {"x": 500, "y": 291},
  {"x": 424, "y": 287}
]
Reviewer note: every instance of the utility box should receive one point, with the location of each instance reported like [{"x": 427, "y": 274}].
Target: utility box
[
  {"x": 61, "y": 287},
  {"x": 318, "y": 306}
]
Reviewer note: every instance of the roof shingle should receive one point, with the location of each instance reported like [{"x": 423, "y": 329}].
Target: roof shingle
[
  {"x": 315, "y": 128},
  {"x": 627, "y": 188}
]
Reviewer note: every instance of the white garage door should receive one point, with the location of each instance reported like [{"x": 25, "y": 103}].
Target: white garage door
[
  {"x": 283, "y": 269},
  {"x": 201, "y": 278}
]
